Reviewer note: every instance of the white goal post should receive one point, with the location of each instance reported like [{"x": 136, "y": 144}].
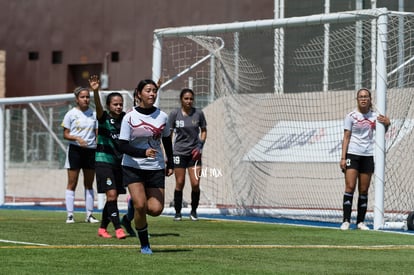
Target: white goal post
[
  {"x": 278, "y": 152},
  {"x": 33, "y": 149},
  {"x": 273, "y": 144}
]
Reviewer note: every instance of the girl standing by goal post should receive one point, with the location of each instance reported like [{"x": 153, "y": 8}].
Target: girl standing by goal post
[
  {"x": 79, "y": 128},
  {"x": 190, "y": 133},
  {"x": 143, "y": 165},
  {"x": 357, "y": 158},
  {"x": 108, "y": 157}
]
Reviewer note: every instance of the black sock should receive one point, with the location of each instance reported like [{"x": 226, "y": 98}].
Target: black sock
[
  {"x": 105, "y": 218},
  {"x": 347, "y": 206},
  {"x": 125, "y": 217},
  {"x": 131, "y": 210},
  {"x": 362, "y": 207},
  {"x": 178, "y": 201},
  {"x": 143, "y": 236},
  {"x": 113, "y": 213},
  {"x": 195, "y": 199}
]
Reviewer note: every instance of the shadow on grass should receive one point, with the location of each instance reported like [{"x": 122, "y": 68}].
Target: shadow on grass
[
  {"x": 172, "y": 250},
  {"x": 164, "y": 235}
]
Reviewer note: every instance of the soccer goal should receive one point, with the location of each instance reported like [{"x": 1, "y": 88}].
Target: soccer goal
[
  {"x": 275, "y": 93},
  {"x": 33, "y": 150}
]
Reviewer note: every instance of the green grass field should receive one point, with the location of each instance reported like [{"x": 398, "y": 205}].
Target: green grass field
[{"x": 40, "y": 242}]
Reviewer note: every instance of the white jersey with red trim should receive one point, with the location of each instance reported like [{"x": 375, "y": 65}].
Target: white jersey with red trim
[
  {"x": 362, "y": 127},
  {"x": 145, "y": 131}
]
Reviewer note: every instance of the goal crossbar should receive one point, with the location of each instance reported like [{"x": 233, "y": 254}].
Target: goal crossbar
[
  {"x": 43, "y": 124},
  {"x": 344, "y": 17},
  {"x": 347, "y": 29}
]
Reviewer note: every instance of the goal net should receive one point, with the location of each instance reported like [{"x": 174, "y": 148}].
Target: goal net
[
  {"x": 275, "y": 94},
  {"x": 34, "y": 149}
]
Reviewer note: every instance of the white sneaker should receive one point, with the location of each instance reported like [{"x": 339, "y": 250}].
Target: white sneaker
[
  {"x": 362, "y": 226},
  {"x": 70, "y": 219},
  {"x": 177, "y": 217},
  {"x": 91, "y": 219},
  {"x": 344, "y": 226},
  {"x": 193, "y": 216}
]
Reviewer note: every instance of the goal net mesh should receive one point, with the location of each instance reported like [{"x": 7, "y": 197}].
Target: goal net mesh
[
  {"x": 35, "y": 151},
  {"x": 275, "y": 124},
  {"x": 274, "y": 99}
]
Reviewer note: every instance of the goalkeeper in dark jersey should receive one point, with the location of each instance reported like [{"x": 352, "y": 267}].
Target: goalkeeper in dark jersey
[
  {"x": 108, "y": 158},
  {"x": 189, "y": 128}
]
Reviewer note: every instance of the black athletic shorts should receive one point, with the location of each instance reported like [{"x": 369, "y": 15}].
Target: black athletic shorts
[
  {"x": 185, "y": 161},
  {"x": 363, "y": 164},
  {"x": 80, "y": 157},
  {"x": 150, "y": 178},
  {"x": 109, "y": 177}
]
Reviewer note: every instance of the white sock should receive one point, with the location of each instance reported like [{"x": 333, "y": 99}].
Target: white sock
[
  {"x": 70, "y": 201},
  {"x": 89, "y": 200}
]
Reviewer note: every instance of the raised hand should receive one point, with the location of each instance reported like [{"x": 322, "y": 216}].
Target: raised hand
[{"x": 94, "y": 82}]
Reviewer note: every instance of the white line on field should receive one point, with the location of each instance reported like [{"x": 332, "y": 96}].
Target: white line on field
[
  {"x": 17, "y": 242},
  {"x": 230, "y": 246}
]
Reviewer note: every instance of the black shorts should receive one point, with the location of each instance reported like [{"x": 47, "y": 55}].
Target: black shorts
[
  {"x": 363, "y": 164},
  {"x": 185, "y": 162},
  {"x": 109, "y": 177},
  {"x": 80, "y": 158},
  {"x": 150, "y": 178}
]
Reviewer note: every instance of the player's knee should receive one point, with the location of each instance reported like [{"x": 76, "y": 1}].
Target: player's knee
[
  {"x": 139, "y": 207},
  {"x": 179, "y": 185},
  {"x": 155, "y": 211},
  {"x": 195, "y": 188}
]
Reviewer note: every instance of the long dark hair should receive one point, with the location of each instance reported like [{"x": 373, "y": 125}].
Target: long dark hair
[
  {"x": 110, "y": 96},
  {"x": 141, "y": 86},
  {"x": 364, "y": 89},
  {"x": 369, "y": 93},
  {"x": 184, "y": 91}
]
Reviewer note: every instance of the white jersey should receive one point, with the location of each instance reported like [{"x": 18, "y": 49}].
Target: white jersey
[
  {"x": 145, "y": 131},
  {"x": 362, "y": 127},
  {"x": 81, "y": 124}
]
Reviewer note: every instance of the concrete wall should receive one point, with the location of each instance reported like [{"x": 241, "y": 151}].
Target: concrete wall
[
  {"x": 2, "y": 74},
  {"x": 83, "y": 32}
]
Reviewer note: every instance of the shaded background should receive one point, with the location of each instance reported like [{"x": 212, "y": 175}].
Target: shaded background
[{"x": 53, "y": 46}]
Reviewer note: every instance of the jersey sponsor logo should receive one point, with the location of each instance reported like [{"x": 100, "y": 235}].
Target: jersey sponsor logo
[{"x": 114, "y": 136}]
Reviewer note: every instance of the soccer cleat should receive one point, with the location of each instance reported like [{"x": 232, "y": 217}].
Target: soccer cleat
[
  {"x": 177, "y": 217},
  {"x": 193, "y": 216},
  {"x": 127, "y": 225},
  {"x": 70, "y": 219},
  {"x": 362, "y": 226},
  {"x": 91, "y": 219},
  {"x": 146, "y": 250},
  {"x": 103, "y": 233},
  {"x": 120, "y": 234},
  {"x": 344, "y": 226}
]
